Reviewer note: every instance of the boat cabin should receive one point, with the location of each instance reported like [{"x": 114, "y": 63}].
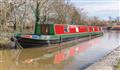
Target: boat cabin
[{"x": 58, "y": 29}]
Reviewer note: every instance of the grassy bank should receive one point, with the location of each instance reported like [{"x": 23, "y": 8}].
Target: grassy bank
[
  {"x": 5, "y": 41},
  {"x": 117, "y": 67}
]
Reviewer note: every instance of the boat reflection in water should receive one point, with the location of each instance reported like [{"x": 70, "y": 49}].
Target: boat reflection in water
[
  {"x": 72, "y": 51},
  {"x": 40, "y": 59}
]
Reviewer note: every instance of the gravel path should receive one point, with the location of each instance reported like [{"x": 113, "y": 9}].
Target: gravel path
[{"x": 108, "y": 62}]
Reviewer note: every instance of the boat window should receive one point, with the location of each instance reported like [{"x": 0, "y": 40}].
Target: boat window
[
  {"x": 45, "y": 29},
  {"x": 66, "y": 29}
]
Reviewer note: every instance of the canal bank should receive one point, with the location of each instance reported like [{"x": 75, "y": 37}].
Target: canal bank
[
  {"x": 110, "y": 62},
  {"x": 5, "y": 42}
]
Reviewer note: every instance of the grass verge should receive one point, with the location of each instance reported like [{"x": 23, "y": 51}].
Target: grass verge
[{"x": 117, "y": 67}]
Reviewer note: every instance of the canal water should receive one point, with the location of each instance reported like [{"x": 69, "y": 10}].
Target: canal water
[{"x": 72, "y": 57}]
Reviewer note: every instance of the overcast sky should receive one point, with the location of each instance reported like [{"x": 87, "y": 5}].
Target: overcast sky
[{"x": 101, "y": 8}]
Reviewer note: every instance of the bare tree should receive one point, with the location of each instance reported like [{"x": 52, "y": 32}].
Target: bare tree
[
  {"x": 61, "y": 10},
  {"x": 11, "y": 12},
  {"x": 64, "y": 8},
  {"x": 41, "y": 9},
  {"x": 5, "y": 12}
]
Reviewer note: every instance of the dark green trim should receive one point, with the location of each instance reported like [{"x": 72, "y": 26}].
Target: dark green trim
[
  {"x": 37, "y": 28},
  {"x": 51, "y": 32},
  {"x": 53, "y": 37},
  {"x": 57, "y": 37},
  {"x": 96, "y": 33}
]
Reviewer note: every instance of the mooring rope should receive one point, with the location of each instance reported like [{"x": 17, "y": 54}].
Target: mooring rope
[{"x": 17, "y": 44}]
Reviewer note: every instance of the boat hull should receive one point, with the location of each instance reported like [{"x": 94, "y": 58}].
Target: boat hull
[
  {"x": 31, "y": 43},
  {"x": 26, "y": 42}
]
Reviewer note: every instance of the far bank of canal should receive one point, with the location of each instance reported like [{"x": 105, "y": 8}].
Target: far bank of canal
[{"x": 75, "y": 57}]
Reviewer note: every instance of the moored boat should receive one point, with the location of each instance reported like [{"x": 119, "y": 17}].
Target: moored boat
[
  {"x": 56, "y": 33},
  {"x": 115, "y": 28}
]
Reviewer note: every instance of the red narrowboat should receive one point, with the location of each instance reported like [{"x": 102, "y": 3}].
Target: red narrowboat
[{"x": 56, "y": 33}]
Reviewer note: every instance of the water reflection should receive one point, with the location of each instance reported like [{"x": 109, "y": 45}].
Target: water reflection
[{"x": 71, "y": 58}]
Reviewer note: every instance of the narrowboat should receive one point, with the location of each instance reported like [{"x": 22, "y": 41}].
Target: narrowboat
[
  {"x": 115, "y": 28},
  {"x": 55, "y": 33}
]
